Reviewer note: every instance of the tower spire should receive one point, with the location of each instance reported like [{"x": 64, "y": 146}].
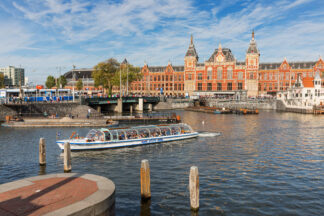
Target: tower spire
[
  {"x": 191, "y": 39},
  {"x": 219, "y": 47},
  {"x": 253, "y": 34}
]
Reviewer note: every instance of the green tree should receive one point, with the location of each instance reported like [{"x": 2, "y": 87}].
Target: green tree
[
  {"x": 79, "y": 84},
  {"x": 61, "y": 82},
  {"x": 1, "y": 80},
  {"x": 104, "y": 72},
  {"x": 50, "y": 82}
]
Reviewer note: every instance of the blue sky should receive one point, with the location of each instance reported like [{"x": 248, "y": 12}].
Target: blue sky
[{"x": 49, "y": 36}]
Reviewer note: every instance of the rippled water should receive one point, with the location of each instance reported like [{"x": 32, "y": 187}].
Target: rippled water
[{"x": 266, "y": 164}]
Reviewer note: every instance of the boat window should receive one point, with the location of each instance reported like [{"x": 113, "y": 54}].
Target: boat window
[
  {"x": 114, "y": 135},
  {"x": 143, "y": 133},
  {"x": 95, "y": 135},
  {"x": 131, "y": 134},
  {"x": 175, "y": 130},
  {"x": 121, "y": 135},
  {"x": 165, "y": 131},
  {"x": 155, "y": 132},
  {"x": 185, "y": 129},
  {"x": 107, "y": 135}
]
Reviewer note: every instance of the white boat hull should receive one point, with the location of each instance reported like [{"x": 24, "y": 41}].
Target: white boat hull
[{"x": 81, "y": 144}]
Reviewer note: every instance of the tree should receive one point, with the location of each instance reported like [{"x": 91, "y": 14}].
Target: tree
[
  {"x": 1, "y": 80},
  {"x": 129, "y": 70},
  {"x": 104, "y": 72},
  {"x": 50, "y": 82},
  {"x": 79, "y": 84},
  {"x": 61, "y": 82}
]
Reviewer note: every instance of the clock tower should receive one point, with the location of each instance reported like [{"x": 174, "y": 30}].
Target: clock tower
[
  {"x": 252, "y": 68},
  {"x": 190, "y": 63}
]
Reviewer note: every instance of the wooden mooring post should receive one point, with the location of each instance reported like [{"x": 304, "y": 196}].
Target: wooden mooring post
[
  {"x": 145, "y": 180},
  {"x": 194, "y": 188},
  {"x": 67, "y": 157},
  {"x": 42, "y": 152}
]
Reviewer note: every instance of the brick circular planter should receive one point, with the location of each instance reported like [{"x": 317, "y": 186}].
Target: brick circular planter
[{"x": 58, "y": 194}]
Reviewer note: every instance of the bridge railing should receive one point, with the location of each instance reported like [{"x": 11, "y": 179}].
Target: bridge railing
[{"x": 113, "y": 100}]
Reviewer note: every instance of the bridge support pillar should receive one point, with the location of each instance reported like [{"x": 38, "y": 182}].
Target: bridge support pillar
[
  {"x": 119, "y": 107},
  {"x": 150, "y": 107},
  {"x": 131, "y": 108},
  {"x": 140, "y": 104}
]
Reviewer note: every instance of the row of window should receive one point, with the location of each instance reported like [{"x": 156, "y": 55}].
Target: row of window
[
  {"x": 229, "y": 86},
  {"x": 283, "y": 76},
  {"x": 229, "y": 75},
  {"x": 167, "y": 78},
  {"x": 157, "y": 87},
  {"x": 273, "y": 86}
]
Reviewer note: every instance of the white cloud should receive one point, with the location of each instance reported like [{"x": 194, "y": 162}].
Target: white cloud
[
  {"x": 158, "y": 31},
  {"x": 13, "y": 37}
]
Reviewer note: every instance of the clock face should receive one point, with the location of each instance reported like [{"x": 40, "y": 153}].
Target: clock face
[{"x": 220, "y": 58}]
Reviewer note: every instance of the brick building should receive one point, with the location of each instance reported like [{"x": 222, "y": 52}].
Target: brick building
[{"x": 223, "y": 75}]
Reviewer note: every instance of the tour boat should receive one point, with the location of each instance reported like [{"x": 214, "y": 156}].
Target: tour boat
[{"x": 105, "y": 138}]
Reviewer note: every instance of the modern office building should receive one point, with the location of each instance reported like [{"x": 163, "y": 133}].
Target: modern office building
[{"x": 13, "y": 77}]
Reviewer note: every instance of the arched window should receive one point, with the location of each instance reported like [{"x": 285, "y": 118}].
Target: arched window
[
  {"x": 219, "y": 73},
  {"x": 240, "y": 75},
  {"x": 209, "y": 73},
  {"x": 229, "y": 73}
]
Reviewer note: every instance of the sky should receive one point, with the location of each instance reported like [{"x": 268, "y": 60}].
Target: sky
[{"x": 48, "y": 37}]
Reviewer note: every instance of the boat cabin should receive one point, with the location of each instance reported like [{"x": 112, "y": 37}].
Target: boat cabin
[{"x": 141, "y": 132}]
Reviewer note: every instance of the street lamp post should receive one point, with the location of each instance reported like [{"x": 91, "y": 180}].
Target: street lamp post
[
  {"x": 120, "y": 84},
  {"x": 73, "y": 82},
  {"x": 127, "y": 79}
]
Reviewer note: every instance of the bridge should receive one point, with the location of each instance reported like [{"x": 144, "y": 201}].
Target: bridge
[{"x": 119, "y": 104}]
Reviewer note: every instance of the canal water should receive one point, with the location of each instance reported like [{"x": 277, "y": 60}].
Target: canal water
[{"x": 266, "y": 164}]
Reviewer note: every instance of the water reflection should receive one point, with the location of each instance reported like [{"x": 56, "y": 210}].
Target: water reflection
[
  {"x": 267, "y": 164},
  {"x": 145, "y": 208}
]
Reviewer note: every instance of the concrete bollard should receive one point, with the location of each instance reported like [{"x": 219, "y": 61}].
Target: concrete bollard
[
  {"x": 145, "y": 180},
  {"x": 67, "y": 157},
  {"x": 194, "y": 188},
  {"x": 42, "y": 152}
]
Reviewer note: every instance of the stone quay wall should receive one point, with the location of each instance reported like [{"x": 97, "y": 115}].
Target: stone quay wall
[
  {"x": 253, "y": 104},
  {"x": 174, "y": 104},
  {"x": 38, "y": 109}
]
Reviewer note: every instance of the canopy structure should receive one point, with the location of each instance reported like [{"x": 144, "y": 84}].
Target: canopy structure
[{"x": 105, "y": 134}]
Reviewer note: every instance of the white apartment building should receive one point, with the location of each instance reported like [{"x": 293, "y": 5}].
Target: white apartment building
[
  {"x": 13, "y": 76},
  {"x": 305, "y": 93}
]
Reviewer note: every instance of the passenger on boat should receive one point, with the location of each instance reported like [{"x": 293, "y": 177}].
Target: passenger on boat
[{"x": 121, "y": 137}]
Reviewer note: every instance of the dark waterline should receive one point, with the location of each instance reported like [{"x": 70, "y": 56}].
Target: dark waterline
[{"x": 266, "y": 164}]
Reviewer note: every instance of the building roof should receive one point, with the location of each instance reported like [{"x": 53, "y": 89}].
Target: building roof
[
  {"x": 192, "y": 50},
  {"x": 125, "y": 61},
  {"x": 226, "y": 52},
  {"x": 302, "y": 65},
  {"x": 253, "y": 46},
  {"x": 240, "y": 63},
  {"x": 269, "y": 66},
  {"x": 160, "y": 69},
  {"x": 308, "y": 82},
  {"x": 79, "y": 73},
  {"x": 293, "y": 65},
  {"x": 157, "y": 68}
]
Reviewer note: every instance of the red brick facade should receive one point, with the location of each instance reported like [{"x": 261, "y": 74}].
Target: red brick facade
[{"x": 222, "y": 74}]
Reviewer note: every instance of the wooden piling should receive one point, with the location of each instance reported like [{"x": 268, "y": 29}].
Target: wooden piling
[
  {"x": 42, "y": 152},
  {"x": 145, "y": 180},
  {"x": 67, "y": 157},
  {"x": 194, "y": 188}
]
